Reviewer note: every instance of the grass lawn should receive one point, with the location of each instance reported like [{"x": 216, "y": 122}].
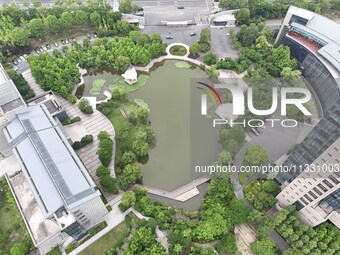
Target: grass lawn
[
  {"x": 178, "y": 50},
  {"x": 97, "y": 87},
  {"x": 114, "y": 238},
  {"x": 12, "y": 226},
  {"x": 119, "y": 82}
]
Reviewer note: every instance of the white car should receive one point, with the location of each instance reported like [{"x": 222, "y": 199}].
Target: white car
[
  {"x": 44, "y": 48},
  {"x": 22, "y": 58},
  {"x": 56, "y": 44}
]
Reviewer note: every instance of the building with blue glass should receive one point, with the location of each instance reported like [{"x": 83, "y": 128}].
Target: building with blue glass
[{"x": 314, "y": 42}]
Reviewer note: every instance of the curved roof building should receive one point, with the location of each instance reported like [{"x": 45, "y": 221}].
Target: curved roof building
[{"x": 314, "y": 42}]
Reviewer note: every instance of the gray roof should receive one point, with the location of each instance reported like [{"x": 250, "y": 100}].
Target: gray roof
[
  {"x": 325, "y": 26},
  {"x": 325, "y": 29},
  {"x": 9, "y": 96},
  {"x": 56, "y": 175}
]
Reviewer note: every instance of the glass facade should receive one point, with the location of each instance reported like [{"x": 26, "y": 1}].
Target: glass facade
[
  {"x": 334, "y": 199},
  {"x": 326, "y": 132}
]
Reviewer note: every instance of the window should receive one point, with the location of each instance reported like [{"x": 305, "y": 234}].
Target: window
[
  {"x": 334, "y": 179},
  {"x": 304, "y": 201},
  {"x": 308, "y": 198},
  {"x": 322, "y": 187},
  {"x": 329, "y": 185},
  {"x": 317, "y": 191},
  {"x": 312, "y": 194}
]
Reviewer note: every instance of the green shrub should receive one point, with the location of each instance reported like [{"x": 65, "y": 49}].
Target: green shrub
[
  {"x": 85, "y": 106},
  {"x": 102, "y": 170},
  {"x": 105, "y": 148},
  {"x": 71, "y": 121},
  {"x": 83, "y": 142},
  {"x": 71, "y": 98},
  {"x": 21, "y": 84},
  {"x": 108, "y": 184}
]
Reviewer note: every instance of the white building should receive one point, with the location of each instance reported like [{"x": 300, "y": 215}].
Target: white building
[
  {"x": 316, "y": 194},
  {"x": 130, "y": 76},
  {"x": 55, "y": 194}
]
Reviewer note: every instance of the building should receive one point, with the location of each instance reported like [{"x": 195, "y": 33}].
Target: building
[
  {"x": 224, "y": 20},
  {"x": 316, "y": 195},
  {"x": 130, "y": 76},
  {"x": 314, "y": 42},
  {"x": 55, "y": 194},
  {"x": 62, "y": 187}
]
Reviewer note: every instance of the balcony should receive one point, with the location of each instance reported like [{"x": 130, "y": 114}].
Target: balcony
[{"x": 309, "y": 43}]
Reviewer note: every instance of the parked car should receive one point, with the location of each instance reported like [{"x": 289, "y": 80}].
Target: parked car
[
  {"x": 56, "y": 44},
  {"x": 169, "y": 37},
  {"x": 70, "y": 39},
  {"x": 44, "y": 48},
  {"x": 66, "y": 41},
  {"x": 37, "y": 50},
  {"x": 22, "y": 58},
  {"x": 15, "y": 62},
  {"x": 255, "y": 131},
  {"x": 180, "y": 7},
  {"x": 193, "y": 34},
  {"x": 88, "y": 35},
  {"x": 63, "y": 41},
  {"x": 95, "y": 35},
  {"x": 48, "y": 46},
  {"x": 140, "y": 9},
  {"x": 19, "y": 60}
]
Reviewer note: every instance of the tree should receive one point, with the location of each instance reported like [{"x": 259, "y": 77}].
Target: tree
[
  {"x": 105, "y": 148},
  {"x": 130, "y": 174},
  {"x": 36, "y": 28},
  {"x": 108, "y": 184},
  {"x": 128, "y": 200},
  {"x": 66, "y": 20},
  {"x": 19, "y": 249},
  {"x": 140, "y": 146},
  {"x": 224, "y": 158},
  {"x": 227, "y": 244},
  {"x": 126, "y": 6},
  {"x": 81, "y": 17},
  {"x": 242, "y": 16},
  {"x": 232, "y": 4},
  {"x": 205, "y": 35},
  {"x": 95, "y": 18},
  {"x": 195, "y": 48},
  {"x": 247, "y": 35},
  {"x": 20, "y": 37},
  {"x": 255, "y": 155},
  {"x": 128, "y": 158},
  {"x": 143, "y": 115},
  {"x": 263, "y": 246},
  {"x": 210, "y": 59},
  {"x": 85, "y": 106},
  {"x": 52, "y": 24}
]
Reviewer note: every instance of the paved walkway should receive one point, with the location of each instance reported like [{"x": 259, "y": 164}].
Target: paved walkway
[{"x": 32, "y": 83}]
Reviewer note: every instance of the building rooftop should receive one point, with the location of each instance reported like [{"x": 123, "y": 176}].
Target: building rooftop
[
  {"x": 56, "y": 175},
  {"x": 314, "y": 29}
]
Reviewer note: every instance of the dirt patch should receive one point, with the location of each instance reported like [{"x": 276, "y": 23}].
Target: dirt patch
[{"x": 245, "y": 235}]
